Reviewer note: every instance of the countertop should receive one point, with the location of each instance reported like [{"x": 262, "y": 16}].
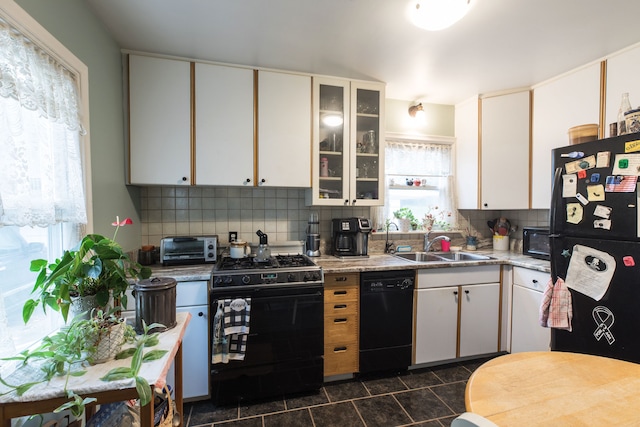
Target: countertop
[{"x": 378, "y": 262}]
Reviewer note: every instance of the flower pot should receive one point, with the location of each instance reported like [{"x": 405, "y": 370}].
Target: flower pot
[
  {"x": 404, "y": 224},
  {"x": 109, "y": 343},
  {"x": 83, "y": 305}
]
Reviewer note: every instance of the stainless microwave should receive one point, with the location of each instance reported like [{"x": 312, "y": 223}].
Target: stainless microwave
[{"x": 535, "y": 242}]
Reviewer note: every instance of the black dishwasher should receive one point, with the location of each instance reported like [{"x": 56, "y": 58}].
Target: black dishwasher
[{"x": 386, "y": 316}]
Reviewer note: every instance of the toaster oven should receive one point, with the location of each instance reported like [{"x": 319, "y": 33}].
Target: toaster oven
[
  {"x": 535, "y": 242},
  {"x": 188, "y": 250}
]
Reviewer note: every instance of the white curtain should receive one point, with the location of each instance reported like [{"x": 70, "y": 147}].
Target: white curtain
[
  {"x": 421, "y": 159},
  {"x": 41, "y": 180}
]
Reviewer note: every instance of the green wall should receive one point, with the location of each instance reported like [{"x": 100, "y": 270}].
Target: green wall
[
  {"x": 438, "y": 118},
  {"x": 72, "y": 22}
]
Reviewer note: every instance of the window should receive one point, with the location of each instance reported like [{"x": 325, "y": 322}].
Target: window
[
  {"x": 419, "y": 177},
  {"x": 43, "y": 167}
]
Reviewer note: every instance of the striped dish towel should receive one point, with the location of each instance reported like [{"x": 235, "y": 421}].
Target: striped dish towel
[{"x": 556, "y": 310}]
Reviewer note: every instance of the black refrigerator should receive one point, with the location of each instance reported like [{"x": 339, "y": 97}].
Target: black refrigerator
[{"x": 595, "y": 245}]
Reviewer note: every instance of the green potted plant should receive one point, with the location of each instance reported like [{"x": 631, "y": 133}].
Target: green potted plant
[
  {"x": 97, "y": 267},
  {"x": 406, "y": 220}
]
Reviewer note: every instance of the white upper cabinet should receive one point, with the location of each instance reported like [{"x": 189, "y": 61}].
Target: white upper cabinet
[
  {"x": 284, "y": 130},
  {"x": 159, "y": 121},
  {"x": 622, "y": 76},
  {"x": 224, "y": 125},
  {"x": 505, "y": 151},
  {"x": 570, "y": 100},
  {"x": 492, "y": 152}
]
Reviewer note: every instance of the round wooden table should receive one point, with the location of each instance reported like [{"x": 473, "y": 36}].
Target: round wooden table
[{"x": 553, "y": 388}]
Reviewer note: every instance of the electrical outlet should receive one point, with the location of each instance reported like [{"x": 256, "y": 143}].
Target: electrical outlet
[{"x": 233, "y": 236}]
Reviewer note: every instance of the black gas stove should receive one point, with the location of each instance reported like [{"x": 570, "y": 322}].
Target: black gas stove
[{"x": 275, "y": 271}]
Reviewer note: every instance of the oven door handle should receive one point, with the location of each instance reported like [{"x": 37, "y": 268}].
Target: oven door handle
[{"x": 255, "y": 293}]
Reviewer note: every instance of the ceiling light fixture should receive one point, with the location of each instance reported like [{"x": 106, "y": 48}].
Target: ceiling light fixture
[
  {"x": 415, "y": 109},
  {"x": 435, "y": 15}
]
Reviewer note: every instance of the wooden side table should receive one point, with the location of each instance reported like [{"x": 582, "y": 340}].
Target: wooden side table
[{"x": 45, "y": 397}]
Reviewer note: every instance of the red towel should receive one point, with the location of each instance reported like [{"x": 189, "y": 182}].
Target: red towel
[{"x": 556, "y": 310}]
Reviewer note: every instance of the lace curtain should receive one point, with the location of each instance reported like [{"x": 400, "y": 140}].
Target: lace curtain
[
  {"x": 430, "y": 161},
  {"x": 41, "y": 179}
]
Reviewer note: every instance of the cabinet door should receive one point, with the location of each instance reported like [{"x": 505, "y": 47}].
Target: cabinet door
[
  {"x": 159, "y": 121},
  {"x": 367, "y": 145},
  {"x": 526, "y": 332},
  {"x": 330, "y": 183},
  {"x": 436, "y": 324},
  {"x": 224, "y": 125},
  {"x": 195, "y": 353},
  {"x": 571, "y": 100},
  {"x": 467, "y": 154},
  {"x": 284, "y": 130},
  {"x": 505, "y": 152},
  {"x": 479, "y": 319}
]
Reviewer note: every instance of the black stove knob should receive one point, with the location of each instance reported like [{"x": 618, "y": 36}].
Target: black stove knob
[
  {"x": 210, "y": 255},
  {"x": 227, "y": 280},
  {"x": 246, "y": 279},
  {"x": 291, "y": 277},
  {"x": 315, "y": 276},
  {"x": 210, "y": 247},
  {"x": 217, "y": 280}
]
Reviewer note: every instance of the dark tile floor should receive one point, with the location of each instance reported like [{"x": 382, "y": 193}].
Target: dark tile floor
[{"x": 429, "y": 397}]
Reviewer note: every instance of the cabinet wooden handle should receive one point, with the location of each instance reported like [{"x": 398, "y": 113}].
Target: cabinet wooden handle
[
  {"x": 339, "y": 306},
  {"x": 340, "y": 320},
  {"x": 339, "y": 292},
  {"x": 340, "y": 349},
  {"x": 341, "y": 279}
]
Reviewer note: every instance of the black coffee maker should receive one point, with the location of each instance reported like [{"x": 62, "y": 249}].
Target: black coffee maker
[{"x": 351, "y": 236}]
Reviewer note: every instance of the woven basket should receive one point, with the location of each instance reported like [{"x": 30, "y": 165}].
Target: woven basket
[
  {"x": 164, "y": 418},
  {"x": 110, "y": 344}
]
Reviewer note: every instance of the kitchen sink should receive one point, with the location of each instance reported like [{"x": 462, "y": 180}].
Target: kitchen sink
[{"x": 442, "y": 256}]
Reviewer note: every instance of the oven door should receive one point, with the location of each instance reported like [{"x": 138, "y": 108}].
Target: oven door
[{"x": 284, "y": 345}]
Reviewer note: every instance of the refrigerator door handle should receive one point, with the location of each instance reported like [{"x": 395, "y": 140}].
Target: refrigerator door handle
[{"x": 556, "y": 198}]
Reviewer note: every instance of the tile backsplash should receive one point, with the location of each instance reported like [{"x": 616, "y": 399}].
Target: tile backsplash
[{"x": 279, "y": 212}]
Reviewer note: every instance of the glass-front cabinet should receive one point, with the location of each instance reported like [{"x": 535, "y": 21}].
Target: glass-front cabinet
[{"x": 348, "y": 143}]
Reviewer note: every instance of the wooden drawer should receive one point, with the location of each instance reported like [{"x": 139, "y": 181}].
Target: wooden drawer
[
  {"x": 341, "y": 293},
  {"x": 340, "y": 308},
  {"x": 339, "y": 329},
  {"x": 332, "y": 279},
  {"x": 340, "y": 359},
  {"x": 531, "y": 279}
]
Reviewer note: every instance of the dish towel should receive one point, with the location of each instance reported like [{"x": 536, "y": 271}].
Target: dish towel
[
  {"x": 230, "y": 329},
  {"x": 556, "y": 310}
]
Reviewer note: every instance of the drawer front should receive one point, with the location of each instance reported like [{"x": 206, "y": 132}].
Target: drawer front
[
  {"x": 338, "y": 294},
  {"x": 350, "y": 279},
  {"x": 339, "y": 329},
  {"x": 531, "y": 279},
  {"x": 340, "y": 359},
  {"x": 340, "y": 308}
]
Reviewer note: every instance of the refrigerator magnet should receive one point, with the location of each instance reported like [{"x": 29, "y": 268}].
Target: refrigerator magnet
[
  {"x": 604, "y": 320},
  {"x": 626, "y": 164},
  {"x": 569, "y": 185},
  {"x": 620, "y": 184},
  {"x": 602, "y": 159},
  {"x": 602, "y": 211},
  {"x": 582, "y": 174},
  {"x": 595, "y": 193},
  {"x": 574, "y": 213},
  {"x": 582, "y": 199},
  {"x": 595, "y": 177},
  {"x": 590, "y": 271},
  {"x": 582, "y": 164},
  {"x": 604, "y": 224},
  {"x": 628, "y": 261}
]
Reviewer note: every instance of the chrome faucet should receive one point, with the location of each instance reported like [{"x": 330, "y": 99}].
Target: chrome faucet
[
  {"x": 389, "y": 245},
  {"x": 428, "y": 243}
]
